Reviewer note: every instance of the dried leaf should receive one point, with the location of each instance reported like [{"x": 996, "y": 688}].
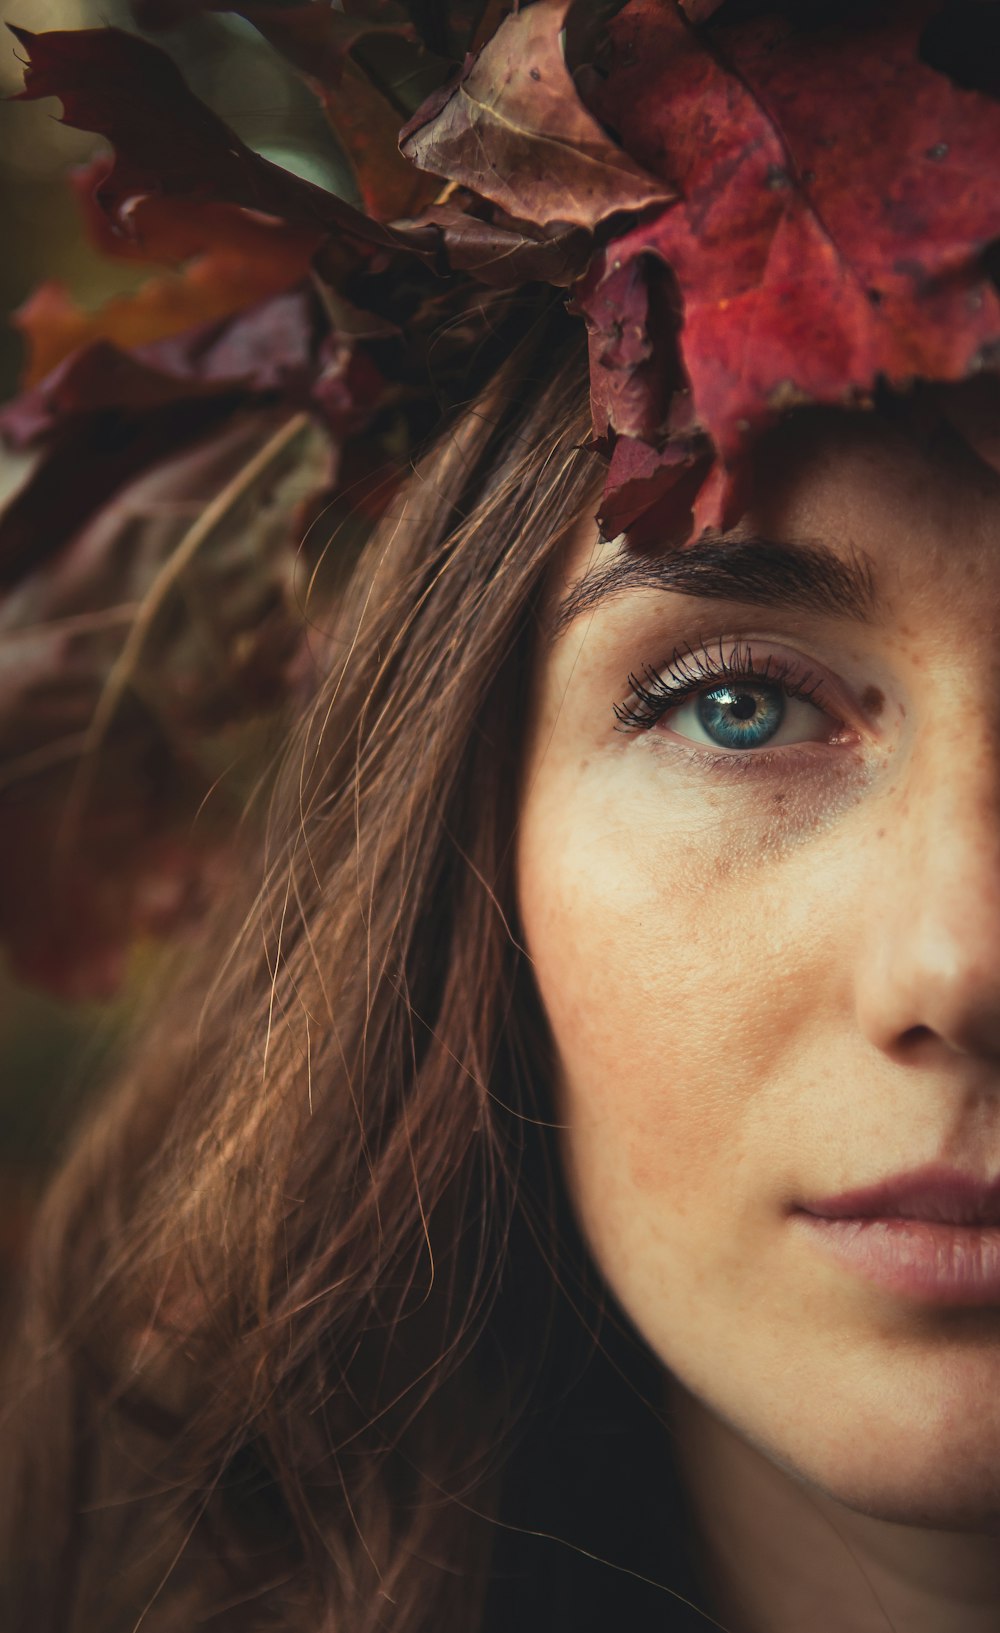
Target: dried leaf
[
  {"x": 367, "y": 65},
  {"x": 449, "y": 28},
  {"x": 503, "y": 252},
  {"x": 514, "y": 130},
  {"x": 812, "y": 255},
  {"x": 314, "y": 37},
  {"x": 230, "y": 261},
  {"x": 367, "y": 127},
  {"x": 699, "y": 11},
  {"x": 167, "y": 141},
  {"x": 104, "y": 414},
  {"x": 171, "y": 615}
]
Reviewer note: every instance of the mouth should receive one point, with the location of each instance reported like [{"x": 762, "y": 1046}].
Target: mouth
[
  {"x": 934, "y": 1193},
  {"x": 931, "y": 1235}
]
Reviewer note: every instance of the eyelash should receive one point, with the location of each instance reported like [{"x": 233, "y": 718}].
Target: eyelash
[{"x": 688, "y": 672}]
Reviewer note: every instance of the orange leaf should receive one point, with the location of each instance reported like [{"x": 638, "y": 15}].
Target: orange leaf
[
  {"x": 229, "y": 259},
  {"x": 367, "y": 128}
]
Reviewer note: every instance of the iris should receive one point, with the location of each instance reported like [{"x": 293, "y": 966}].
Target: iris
[{"x": 741, "y": 716}]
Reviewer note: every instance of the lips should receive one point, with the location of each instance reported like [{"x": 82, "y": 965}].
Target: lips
[
  {"x": 935, "y": 1193},
  {"x": 928, "y": 1237}
]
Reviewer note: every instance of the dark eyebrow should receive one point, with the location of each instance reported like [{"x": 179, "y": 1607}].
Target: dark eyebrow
[{"x": 803, "y": 576}]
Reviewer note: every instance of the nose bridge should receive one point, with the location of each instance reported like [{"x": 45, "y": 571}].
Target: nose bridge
[
  {"x": 950, "y": 818},
  {"x": 934, "y": 917}
]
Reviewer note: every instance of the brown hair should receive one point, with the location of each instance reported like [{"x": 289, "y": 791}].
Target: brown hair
[{"x": 284, "y": 1329}]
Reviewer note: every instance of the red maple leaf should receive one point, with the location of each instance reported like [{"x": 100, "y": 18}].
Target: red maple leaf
[{"x": 838, "y": 197}]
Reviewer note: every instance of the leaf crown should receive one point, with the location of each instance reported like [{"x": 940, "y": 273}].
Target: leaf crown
[{"x": 750, "y": 205}]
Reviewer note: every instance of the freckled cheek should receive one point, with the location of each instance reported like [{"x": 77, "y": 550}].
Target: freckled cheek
[{"x": 663, "y": 1029}]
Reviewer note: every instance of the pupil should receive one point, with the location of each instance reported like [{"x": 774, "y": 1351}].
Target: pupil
[
  {"x": 743, "y": 706},
  {"x": 743, "y": 716}
]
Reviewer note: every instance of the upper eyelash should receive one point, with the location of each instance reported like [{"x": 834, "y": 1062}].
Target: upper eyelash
[{"x": 690, "y": 670}]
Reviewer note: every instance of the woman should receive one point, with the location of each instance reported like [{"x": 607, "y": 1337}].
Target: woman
[
  {"x": 459, "y": 1250},
  {"x": 309, "y": 1310}
]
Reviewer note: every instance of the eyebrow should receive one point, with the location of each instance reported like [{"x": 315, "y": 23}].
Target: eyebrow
[{"x": 801, "y": 575}]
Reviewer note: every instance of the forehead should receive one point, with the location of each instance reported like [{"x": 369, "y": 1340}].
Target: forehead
[{"x": 901, "y": 488}]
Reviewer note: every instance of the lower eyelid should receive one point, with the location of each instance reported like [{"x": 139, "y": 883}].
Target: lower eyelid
[{"x": 805, "y": 759}]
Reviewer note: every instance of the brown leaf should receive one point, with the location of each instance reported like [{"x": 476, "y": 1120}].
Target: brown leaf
[
  {"x": 260, "y": 349},
  {"x": 314, "y": 37},
  {"x": 353, "y": 61},
  {"x": 170, "y": 616},
  {"x": 503, "y": 252},
  {"x": 145, "y": 861},
  {"x": 450, "y": 28},
  {"x": 514, "y": 130},
  {"x": 104, "y": 414},
  {"x": 167, "y": 141},
  {"x": 699, "y": 11},
  {"x": 367, "y": 127}
]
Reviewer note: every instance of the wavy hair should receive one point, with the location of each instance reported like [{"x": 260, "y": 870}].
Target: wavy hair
[{"x": 308, "y": 1338}]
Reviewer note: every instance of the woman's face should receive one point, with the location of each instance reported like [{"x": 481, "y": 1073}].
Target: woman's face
[{"x": 765, "y": 926}]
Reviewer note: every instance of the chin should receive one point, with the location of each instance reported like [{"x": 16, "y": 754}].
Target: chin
[
  {"x": 939, "y": 1488},
  {"x": 940, "y": 1507}
]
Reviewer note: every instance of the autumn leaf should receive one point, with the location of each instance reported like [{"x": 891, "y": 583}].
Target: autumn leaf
[
  {"x": 810, "y": 256},
  {"x": 356, "y": 93},
  {"x": 105, "y": 413},
  {"x": 167, "y": 141},
  {"x": 227, "y": 258},
  {"x": 366, "y": 125},
  {"x": 449, "y": 28},
  {"x": 514, "y": 131},
  {"x": 170, "y": 615},
  {"x": 315, "y": 38},
  {"x": 370, "y": 65},
  {"x": 684, "y": 171},
  {"x": 500, "y": 251},
  {"x": 699, "y": 11}
]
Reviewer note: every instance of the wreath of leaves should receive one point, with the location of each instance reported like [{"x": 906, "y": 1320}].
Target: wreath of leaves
[{"x": 749, "y": 205}]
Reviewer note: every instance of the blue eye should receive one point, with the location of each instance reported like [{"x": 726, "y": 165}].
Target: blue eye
[
  {"x": 729, "y": 702},
  {"x": 741, "y": 716},
  {"x": 746, "y": 715}
]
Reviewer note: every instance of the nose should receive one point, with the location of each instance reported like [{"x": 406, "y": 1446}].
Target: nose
[{"x": 930, "y": 965}]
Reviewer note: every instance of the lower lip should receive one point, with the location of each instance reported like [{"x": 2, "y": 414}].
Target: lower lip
[{"x": 940, "y": 1264}]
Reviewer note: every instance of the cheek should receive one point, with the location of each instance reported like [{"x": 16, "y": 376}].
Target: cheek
[{"x": 672, "y": 1003}]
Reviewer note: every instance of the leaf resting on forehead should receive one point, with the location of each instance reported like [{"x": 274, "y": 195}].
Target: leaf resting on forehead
[{"x": 811, "y": 254}]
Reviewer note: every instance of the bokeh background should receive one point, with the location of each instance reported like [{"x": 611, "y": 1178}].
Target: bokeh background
[{"x": 53, "y": 1055}]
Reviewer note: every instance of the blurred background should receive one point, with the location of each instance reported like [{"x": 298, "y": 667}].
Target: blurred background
[{"x": 53, "y": 1053}]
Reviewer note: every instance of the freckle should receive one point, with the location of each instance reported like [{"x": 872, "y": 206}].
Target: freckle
[
  {"x": 873, "y": 701},
  {"x": 880, "y": 834}
]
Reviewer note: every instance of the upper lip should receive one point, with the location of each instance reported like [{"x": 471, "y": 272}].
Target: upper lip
[{"x": 934, "y": 1192}]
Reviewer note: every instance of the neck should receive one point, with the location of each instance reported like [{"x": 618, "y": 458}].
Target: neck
[{"x": 777, "y": 1555}]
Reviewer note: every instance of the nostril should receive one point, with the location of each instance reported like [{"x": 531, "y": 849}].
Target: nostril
[{"x": 914, "y": 1037}]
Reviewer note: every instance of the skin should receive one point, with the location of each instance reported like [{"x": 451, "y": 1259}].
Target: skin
[{"x": 774, "y": 984}]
